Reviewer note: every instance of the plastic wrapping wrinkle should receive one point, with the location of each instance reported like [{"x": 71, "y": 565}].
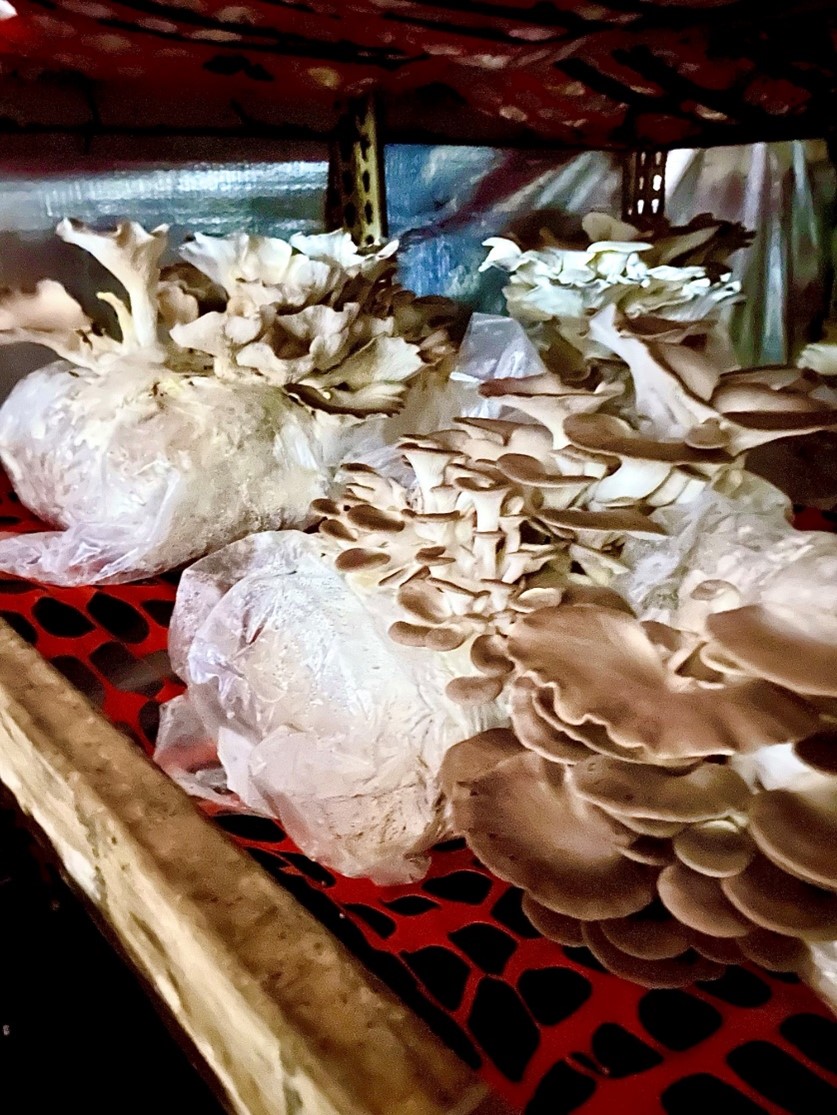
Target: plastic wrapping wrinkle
[
  {"x": 317, "y": 715},
  {"x": 141, "y": 472}
]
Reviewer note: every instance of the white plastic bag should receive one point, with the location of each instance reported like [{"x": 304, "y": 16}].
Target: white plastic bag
[
  {"x": 318, "y": 716},
  {"x": 199, "y": 425}
]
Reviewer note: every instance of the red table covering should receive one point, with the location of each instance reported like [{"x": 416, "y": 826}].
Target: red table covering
[
  {"x": 582, "y": 73},
  {"x": 543, "y": 1024}
]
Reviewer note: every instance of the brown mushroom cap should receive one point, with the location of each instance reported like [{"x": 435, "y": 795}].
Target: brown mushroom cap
[
  {"x": 699, "y": 902},
  {"x": 477, "y": 690},
  {"x": 356, "y": 559},
  {"x": 556, "y": 927},
  {"x": 617, "y": 521},
  {"x": 535, "y": 731},
  {"x": 528, "y": 827},
  {"x": 471, "y": 758},
  {"x": 604, "y": 668},
  {"x": 657, "y": 937},
  {"x": 725, "y": 950},
  {"x": 676, "y": 972},
  {"x": 797, "y": 830},
  {"x": 773, "y": 951},
  {"x": 488, "y": 654},
  {"x": 798, "y": 650},
  {"x": 602, "y": 433},
  {"x": 775, "y": 900},
  {"x": 706, "y": 792},
  {"x": 718, "y": 848}
]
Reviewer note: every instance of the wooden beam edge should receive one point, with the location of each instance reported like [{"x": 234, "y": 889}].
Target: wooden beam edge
[{"x": 285, "y": 1017}]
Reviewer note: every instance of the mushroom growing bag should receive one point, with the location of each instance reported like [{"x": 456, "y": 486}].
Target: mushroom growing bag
[{"x": 239, "y": 381}]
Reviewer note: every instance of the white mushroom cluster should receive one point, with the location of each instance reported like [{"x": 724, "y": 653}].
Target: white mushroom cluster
[
  {"x": 236, "y": 379},
  {"x": 680, "y": 274},
  {"x": 629, "y": 799}
]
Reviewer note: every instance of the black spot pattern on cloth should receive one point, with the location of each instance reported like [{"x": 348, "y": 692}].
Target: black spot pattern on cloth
[
  {"x": 703, "y": 1094},
  {"x": 678, "y": 1020},
  {"x": 509, "y": 912},
  {"x": 563, "y": 1089},
  {"x": 442, "y": 972},
  {"x": 118, "y": 618},
  {"x": 503, "y": 1027},
  {"x": 814, "y": 1036},
  {"x": 82, "y": 678},
  {"x": 782, "y": 1079},
  {"x": 250, "y": 827},
  {"x": 61, "y": 619},
  {"x": 382, "y": 925},
  {"x": 21, "y": 625},
  {"x": 621, "y": 1053},
  {"x": 738, "y": 987},
  {"x": 489, "y": 948},
  {"x": 411, "y": 905},
  {"x": 460, "y": 886},
  {"x": 553, "y": 994}
]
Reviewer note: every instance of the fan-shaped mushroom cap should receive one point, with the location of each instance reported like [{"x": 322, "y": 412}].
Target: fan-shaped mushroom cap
[
  {"x": 798, "y": 650},
  {"x": 652, "y": 934},
  {"x": 592, "y": 524},
  {"x": 699, "y": 902},
  {"x": 477, "y": 690},
  {"x": 535, "y": 731},
  {"x": 717, "y": 848},
  {"x": 636, "y": 790},
  {"x": 773, "y": 951},
  {"x": 676, "y": 972},
  {"x": 797, "y": 830},
  {"x": 528, "y": 827},
  {"x": 604, "y": 668},
  {"x": 603, "y": 433},
  {"x": 556, "y": 927},
  {"x": 775, "y": 900},
  {"x": 471, "y": 758}
]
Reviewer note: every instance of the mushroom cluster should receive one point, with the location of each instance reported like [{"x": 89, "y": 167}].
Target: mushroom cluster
[
  {"x": 679, "y": 274},
  {"x": 631, "y": 798},
  {"x": 229, "y": 387}
]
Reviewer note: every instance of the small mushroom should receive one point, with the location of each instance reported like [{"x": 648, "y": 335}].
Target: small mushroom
[
  {"x": 679, "y": 971},
  {"x": 555, "y": 927},
  {"x": 699, "y": 902},
  {"x": 471, "y": 758},
  {"x": 797, "y": 830},
  {"x": 773, "y": 951},
  {"x": 488, "y": 654},
  {"x": 357, "y": 559},
  {"x": 718, "y": 848},
  {"x": 797, "y": 650},
  {"x": 652, "y": 934},
  {"x": 775, "y": 900},
  {"x": 634, "y": 790},
  {"x": 478, "y": 690}
]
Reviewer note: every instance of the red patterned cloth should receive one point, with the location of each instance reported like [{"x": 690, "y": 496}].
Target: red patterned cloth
[
  {"x": 544, "y": 1025},
  {"x": 583, "y": 73}
]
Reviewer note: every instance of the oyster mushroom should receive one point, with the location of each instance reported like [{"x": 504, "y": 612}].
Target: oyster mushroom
[
  {"x": 798, "y": 650},
  {"x": 797, "y": 830},
  {"x": 528, "y": 827},
  {"x": 774, "y": 900},
  {"x": 591, "y": 655}
]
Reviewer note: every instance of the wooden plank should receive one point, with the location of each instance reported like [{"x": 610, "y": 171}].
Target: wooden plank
[{"x": 285, "y": 1018}]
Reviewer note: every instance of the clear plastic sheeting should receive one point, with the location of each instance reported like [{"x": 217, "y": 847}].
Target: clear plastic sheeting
[{"x": 443, "y": 202}]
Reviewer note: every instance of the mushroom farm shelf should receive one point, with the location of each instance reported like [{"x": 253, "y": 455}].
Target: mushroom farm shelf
[{"x": 288, "y": 1020}]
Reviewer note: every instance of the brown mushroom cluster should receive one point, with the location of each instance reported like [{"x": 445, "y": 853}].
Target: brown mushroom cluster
[{"x": 623, "y": 801}]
